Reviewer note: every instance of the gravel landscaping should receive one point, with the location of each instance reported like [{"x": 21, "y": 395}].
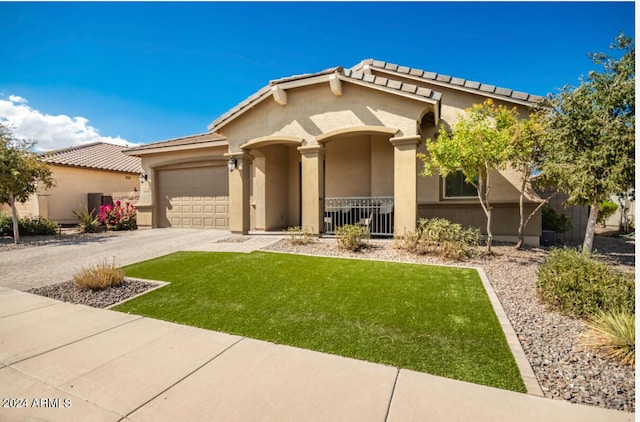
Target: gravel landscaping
[
  {"x": 565, "y": 369},
  {"x": 69, "y": 292}
]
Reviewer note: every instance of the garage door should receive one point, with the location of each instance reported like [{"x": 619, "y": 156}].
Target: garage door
[{"x": 194, "y": 197}]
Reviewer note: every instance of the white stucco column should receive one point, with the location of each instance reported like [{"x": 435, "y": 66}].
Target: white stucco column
[
  {"x": 239, "y": 194},
  {"x": 405, "y": 183},
  {"x": 312, "y": 187}
]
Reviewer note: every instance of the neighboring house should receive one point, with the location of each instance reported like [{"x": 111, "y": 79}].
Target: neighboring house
[
  {"x": 579, "y": 215},
  {"x": 81, "y": 172},
  {"x": 323, "y": 149},
  {"x": 621, "y": 220}
]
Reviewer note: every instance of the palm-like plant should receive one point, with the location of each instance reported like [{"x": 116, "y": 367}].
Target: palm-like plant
[
  {"x": 87, "y": 221},
  {"x": 613, "y": 333}
]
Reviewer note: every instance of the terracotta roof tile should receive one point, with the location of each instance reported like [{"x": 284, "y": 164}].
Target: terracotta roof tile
[{"x": 97, "y": 155}]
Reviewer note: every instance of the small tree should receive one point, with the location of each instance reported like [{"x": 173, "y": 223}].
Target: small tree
[
  {"x": 20, "y": 171},
  {"x": 592, "y": 128},
  {"x": 477, "y": 145},
  {"x": 527, "y": 151}
]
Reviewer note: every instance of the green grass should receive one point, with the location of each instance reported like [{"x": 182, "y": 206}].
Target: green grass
[{"x": 426, "y": 318}]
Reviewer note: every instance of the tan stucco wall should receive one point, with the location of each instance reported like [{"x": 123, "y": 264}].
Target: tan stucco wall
[
  {"x": 359, "y": 165},
  {"x": 348, "y": 167},
  {"x": 70, "y": 193},
  {"x": 313, "y": 110}
]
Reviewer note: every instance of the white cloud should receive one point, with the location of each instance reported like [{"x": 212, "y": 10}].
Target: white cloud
[
  {"x": 50, "y": 132},
  {"x": 17, "y": 99}
]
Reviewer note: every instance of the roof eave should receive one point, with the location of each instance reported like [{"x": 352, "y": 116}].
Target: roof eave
[
  {"x": 148, "y": 149},
  {"x": 449, "y": 85}
]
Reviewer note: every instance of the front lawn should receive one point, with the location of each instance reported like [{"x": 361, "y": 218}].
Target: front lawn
[{"x": 426, "y": 318}]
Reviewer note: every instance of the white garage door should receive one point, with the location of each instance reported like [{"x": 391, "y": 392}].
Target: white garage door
[{"x": 194, "y": 197}]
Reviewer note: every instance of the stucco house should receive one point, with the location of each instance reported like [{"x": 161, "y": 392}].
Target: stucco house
[
  {"x": 84, "y": 174},
  {"x": 322, "y": 149}
]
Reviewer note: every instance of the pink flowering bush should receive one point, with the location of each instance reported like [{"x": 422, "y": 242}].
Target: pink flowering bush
[{"x": 118, "y": 216}]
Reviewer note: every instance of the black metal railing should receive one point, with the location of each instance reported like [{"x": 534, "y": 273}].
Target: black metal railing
[{"x": 374, "y": 212}]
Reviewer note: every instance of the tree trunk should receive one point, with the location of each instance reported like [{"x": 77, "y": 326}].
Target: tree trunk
[
  {"x": 587, "y": 246},
  {"x": 489, "y": 232},
  {"x": 14, "y": 220},
  {"x": 522, "y": 223},
  {"x": 486, "y": 207}
]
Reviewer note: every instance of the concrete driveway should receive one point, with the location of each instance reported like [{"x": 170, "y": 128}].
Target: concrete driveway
[{"x": 29, "y": 267}]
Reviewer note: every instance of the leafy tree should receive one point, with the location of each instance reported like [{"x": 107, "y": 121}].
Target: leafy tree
[
  {"x": 527, "y": 151},
  {"x": 20, "y": 171},
  {"x": 592, "y": 128},
  {"x": 605, "y": 210},
  {"x": 477, "y": 145}
]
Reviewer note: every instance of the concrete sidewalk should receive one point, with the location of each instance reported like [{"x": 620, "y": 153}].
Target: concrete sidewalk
[{"x": 66, "y": 362}]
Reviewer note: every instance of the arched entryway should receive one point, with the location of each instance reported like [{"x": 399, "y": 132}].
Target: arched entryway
[
  {"x": 275, "y": 192},
  {"x": 359, "y": 179}
]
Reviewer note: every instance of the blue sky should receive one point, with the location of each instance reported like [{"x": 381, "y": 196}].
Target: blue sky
[{"x": 142, "y": 72}]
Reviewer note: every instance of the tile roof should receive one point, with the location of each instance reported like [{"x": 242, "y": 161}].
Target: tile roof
[
  {"x": 352, "y": 75},
  {"x": 187, "y": 140},
  {"x": 448, "y": 81},
  {"x": 97, "y": 155},
  {"x": 306, "y": 75}
]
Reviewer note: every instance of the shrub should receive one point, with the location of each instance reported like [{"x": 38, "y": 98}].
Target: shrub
[
  {"x": 605, "y": 210},
  {"x": 577, "y": 284},
  {"x": 352, "y": 236},
  {"x": 28, "y": 226},
  {"x": 88, "y": 223},
  {"x": 614, "y": 334},
  {"x": 118, "y": 216},
  {"x": 99, "y": 277},
  {"x": 33, "y": 226},
  {"x": 6, "y": 225},
  {"x": 555, "y": 221},
  {"x": 300, "y": 236},
  {"x": 441, "y": 237}
]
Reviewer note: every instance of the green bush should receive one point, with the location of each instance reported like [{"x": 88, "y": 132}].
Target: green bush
[
  {"x": 28, "y": 226},
  {"x": 555, "y": 221},
  {"x": 606, "y": 210},
  {"x": 6, "y": 226},
  {"x": 352, "y": 236},
  {"x": 442, "y": 237},
  {"x": 577, "y": 284},
  {"x": 33, "y": 226}
]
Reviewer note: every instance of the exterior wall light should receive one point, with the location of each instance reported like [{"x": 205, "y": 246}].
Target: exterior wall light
[
  {"x": 143, "y": 177},
  {"x": 232, "y": 164}
]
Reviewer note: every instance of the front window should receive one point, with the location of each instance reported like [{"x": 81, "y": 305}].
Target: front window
[{"x": 455, "y": 186}]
